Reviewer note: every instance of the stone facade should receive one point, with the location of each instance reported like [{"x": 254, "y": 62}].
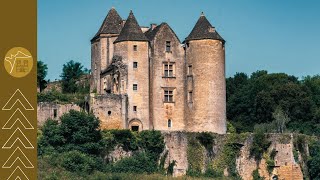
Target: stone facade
[
  {"x": 50, "y": 110},
  {"x": 168, "y": 85}
]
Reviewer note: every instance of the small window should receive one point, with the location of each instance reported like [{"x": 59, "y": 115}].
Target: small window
[
  {"x": 190, "y": 97},
  {"x": 168, "y": 70},
  {"x": 134, "y": 108},
  {"x": 109, "y": 113},
  {"x": 168, "y": 96},
  {"x": 134, "y": 128},
  {"x": 55, "y": 112},
  {"x": 135, "y": 87},
  {"x": 190, "y": 70},
  {"x": 168, "y": 46},
  {"x": 135, "y": 47},
  {"x": 169, "y": 123},
  {"x": 135, "y": 64}
]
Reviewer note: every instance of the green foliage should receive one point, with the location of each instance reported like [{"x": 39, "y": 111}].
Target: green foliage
[
  {"x": 313, "y": 162},
  {"x": 77, "y": 131},
  {"x": 227, "y": 157},
  {"x": 71, "y": 73},
  {"x": 78, "y": 162},
  {"x": 206, "y": 139},
  {"x": 260, "y": 144},
  {"x": 256, "y": 175},
  {"x": 152, "y": 142},
  {"x": 170, "y": 167},
  {"x": 195, "y": 156},
  {"x": 255, "y": 100},
  {"x": 139, "y": 163},
  {"x": 42, "y": 71},
  {"x": 230, "y": 128}
]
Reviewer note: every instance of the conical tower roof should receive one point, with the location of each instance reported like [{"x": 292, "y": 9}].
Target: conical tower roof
[
  {"x": 112, "y": 24},
  {"x": 131, "y": 31},
  {"x": 204, "y": 30}
]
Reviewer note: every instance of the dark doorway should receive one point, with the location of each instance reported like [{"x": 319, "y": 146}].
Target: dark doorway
[{"x": 135, "y": 128}]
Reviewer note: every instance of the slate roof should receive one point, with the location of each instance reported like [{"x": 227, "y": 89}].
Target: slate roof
[
  {"x": 131, "y": 31},
  {"x": 112, "y": 24},
  {"x": 150, "y": 34},
  {"x": 204, "y": 30}
]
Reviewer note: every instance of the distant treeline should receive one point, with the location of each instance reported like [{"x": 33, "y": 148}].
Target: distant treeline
[{"x": 274, "y": 102}]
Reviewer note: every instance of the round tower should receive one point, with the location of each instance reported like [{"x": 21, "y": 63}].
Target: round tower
[
  {"x": 133, "y": 46},
  {"x": 206, "y": 86}
]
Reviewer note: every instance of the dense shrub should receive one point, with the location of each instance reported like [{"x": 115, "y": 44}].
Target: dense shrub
[
  {"x": 256, "y": 175},
  {"x": 139, "y": 163},
  {"x": 314, "y": 160},
  {"x": 75, "y": 161},
  {"x": 77, "y": 131},
  {"x": 260, "y": 144}
]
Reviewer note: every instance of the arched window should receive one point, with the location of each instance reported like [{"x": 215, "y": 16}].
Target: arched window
[{"x": 169, "y": 123}]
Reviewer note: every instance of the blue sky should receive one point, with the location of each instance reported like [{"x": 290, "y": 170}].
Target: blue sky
[{"x": 273, "y": 35}]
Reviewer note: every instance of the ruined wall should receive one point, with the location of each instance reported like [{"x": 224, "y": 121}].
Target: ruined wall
[
  {"x": 206, "y": 82},
  {"x": 161, "y": 110},
  {"x": 108, "y": 108},
  {"x": 285, "y": 165},
  {"x": 47, "y": 110},
  {"x": 139, "y": 76}
]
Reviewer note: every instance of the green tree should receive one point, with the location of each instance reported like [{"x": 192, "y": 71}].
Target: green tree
[
  {"x": 71, "y": 73},
  {"x": 42, "y": 71},
  {"x": 281, "y": 119},
  {"x": 76, "y": 131}
]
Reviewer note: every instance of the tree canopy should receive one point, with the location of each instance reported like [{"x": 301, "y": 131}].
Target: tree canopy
[
  {"x": 42, "y": 71},
  {"x": 254, "y": 100},
  {"x": 71, "y": 73}
]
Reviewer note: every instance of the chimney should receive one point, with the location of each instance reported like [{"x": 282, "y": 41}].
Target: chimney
[{"x": 153, "y": 25}]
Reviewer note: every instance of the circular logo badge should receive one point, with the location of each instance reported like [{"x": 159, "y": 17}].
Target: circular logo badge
[{"x": 18, "y": 62}]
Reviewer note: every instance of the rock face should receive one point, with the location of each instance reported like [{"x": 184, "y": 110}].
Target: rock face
[{"x": 49, "y": 110}]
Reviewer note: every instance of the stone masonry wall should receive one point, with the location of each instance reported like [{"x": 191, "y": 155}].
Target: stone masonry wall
[
  {"x": 139, "y": 76},
  {"x": 108, "y": 108},
  {"x": 162, "y": 111},
  {"x": 207, "y": 112},
  {"x": 45, "y": 110}
]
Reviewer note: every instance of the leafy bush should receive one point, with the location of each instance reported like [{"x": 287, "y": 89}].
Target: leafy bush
[
  {"x": 314, "y": 160},
  {"x": 256, "y": 175},
  {"x": 206, "y": 139},
  {"x": 77, "y": 131},
  {"x": 139, "y": 163},
  {"x": 75, "y": 161},
  {"x": 260, "y": 144}
]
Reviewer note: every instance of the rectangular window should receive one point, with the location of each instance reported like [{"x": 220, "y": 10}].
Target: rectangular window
[
  {"x": 135, "y": 47},
  {"x": 168, "y": 70},
  {"x": 168, "y": 46},
  {"x": 55, "y": 112},
  {"x": 190, "y": 70},
  {"x": 168, "y": 96},
  {"x": 190, "y": 97},
  {"x": 135, "y": 64},
  {"x": 135, "y": 87},
  {"x": 134, "y": 108}
]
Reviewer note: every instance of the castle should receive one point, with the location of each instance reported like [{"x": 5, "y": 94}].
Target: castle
[{"x": 145, "y": 78}]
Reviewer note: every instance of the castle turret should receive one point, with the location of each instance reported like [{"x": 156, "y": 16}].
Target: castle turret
[
  {"x": 132, "y": 45},
  {"x": 102, "y": 48},
  {"x": 206, "y": 88}
]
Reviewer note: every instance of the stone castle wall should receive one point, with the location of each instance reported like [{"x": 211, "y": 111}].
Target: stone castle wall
[
  {"x": 163, "y": 111},
  {"x": 49, "y": 110},
  {"x": 139, "y": 76},
  {"x": 207, "y": 109},
  {"x": 108, "y": 108}
]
